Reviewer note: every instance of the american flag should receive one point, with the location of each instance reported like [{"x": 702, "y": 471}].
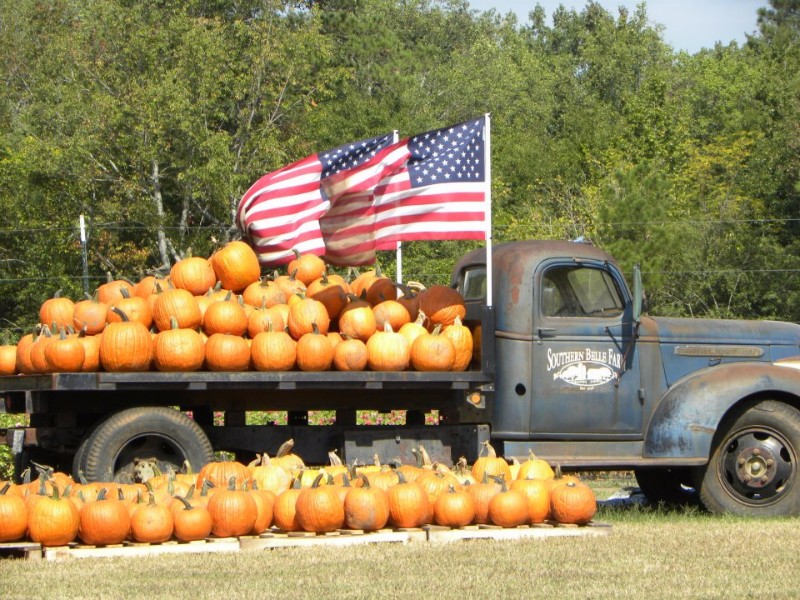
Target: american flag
[
  {"x": 349, "y": 202},
  {"x": 281, "y": 211},
  {"x": 437, "y": 193}
]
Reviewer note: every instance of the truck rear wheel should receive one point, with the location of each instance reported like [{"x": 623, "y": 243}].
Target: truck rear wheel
[
  {"x": 754, "y": 467},
  {"x": 156, "y": 433}
]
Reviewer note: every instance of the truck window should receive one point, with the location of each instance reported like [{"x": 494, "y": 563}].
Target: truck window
[
  {"x": 473, "y": 284},
  {"x": 578, "y": 291}
]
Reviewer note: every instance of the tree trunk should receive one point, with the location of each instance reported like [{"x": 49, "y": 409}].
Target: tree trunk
[{"x": 160, "y": 234}]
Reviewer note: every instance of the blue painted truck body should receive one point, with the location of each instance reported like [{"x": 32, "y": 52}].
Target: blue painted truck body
[{"x": 586, "y": 383}]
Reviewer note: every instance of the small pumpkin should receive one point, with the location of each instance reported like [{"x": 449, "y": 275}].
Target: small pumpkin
[
  {"x": 408, "y": 504},
  {"x": 491, "y": 464},
  {"x": 152, "y": 523},
  {"x": 273, "y": 350},
  {"x": 306, "y": 267},
  {"x": 350, "y": 355},
  {"x": 304, "y": 315},
  {"x": 509, "y": 507},
  {"x": 225, "y": 316},
  {"x": 191, "y": 523},
  {"x": 13, "y": 515},
  {"x": 105, "y": 521},
  {"x": 442, "y": 304},
  {"x": 178, "y": 304}
]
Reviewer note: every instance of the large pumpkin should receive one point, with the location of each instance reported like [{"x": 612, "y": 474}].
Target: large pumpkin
[
  {"x": 273, "y": 351},
  {"x": 388, "y": 351},
  {"x": 179, "y": 304},
  {"x": 227, "y": 353},
  {"x": 179, "y": 349},
  {"x": 304, "y": 315},
  {"x": 366, "y": 507},
  {"x": 126, "y": 346},
  {"x": 319, "y": 508},
  {"x": 442, "y": 305},
  {"x": 236, "y": 266},
  {"x": 104, "y": 521},
  {"x": 58, "y": 310},
  {"x": 573, "y": 502},
  {"x": 233, "y": 511}
]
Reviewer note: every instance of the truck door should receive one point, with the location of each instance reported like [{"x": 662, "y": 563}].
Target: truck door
[{"x": 585, "y": 361}]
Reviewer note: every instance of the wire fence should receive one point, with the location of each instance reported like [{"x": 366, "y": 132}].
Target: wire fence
[{"x": 15, "y": 275}]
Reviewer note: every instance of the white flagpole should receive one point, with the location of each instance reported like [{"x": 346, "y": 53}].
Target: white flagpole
[
  {"x": 488, "y": 207},
  {"x": 399, "y": 251}
]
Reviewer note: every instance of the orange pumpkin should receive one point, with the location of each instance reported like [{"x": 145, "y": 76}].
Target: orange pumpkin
[
  {"x": 442, "y": 304},
  {"x": 236, "y": 266},
  {"x": 126, "y": 346},
  {"x": 306, "y": 267},
  {"x": 572, "y": 502},
  {"x": 433, "y": 352},
  {"x": 388, "y": 351},
  {"x": 58, "y": 310},
  {"x": 193, "y": 274},
  {"x": 224, "y": 352}
]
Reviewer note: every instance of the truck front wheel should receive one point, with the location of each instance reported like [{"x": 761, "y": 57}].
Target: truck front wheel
[
  {"x": 753, "y": 469},
  {"x": 160, "y": 434}
]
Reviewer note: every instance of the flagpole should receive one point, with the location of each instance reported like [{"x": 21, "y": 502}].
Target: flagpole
[
  {"x": 488, "y": 209},
  {"x": 399, "y": 251}
]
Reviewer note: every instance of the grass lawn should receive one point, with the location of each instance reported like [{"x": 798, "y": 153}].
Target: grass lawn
[{"x": 651, "y": 552}]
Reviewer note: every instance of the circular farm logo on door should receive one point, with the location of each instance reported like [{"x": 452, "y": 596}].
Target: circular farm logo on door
[{"x": 585, "y": 368}]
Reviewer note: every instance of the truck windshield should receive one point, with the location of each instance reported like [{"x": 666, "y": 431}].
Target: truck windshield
[{"x": 578, "y": 291}]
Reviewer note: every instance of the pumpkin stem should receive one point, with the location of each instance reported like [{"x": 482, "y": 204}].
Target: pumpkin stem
[
  {"x": 334, "y": 459},
  {"x": 285, "y": 448}
]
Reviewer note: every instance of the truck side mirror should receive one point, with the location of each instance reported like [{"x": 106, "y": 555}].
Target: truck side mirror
[{"x": 638, "y": 293}]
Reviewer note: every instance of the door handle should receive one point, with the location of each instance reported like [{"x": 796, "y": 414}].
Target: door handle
[{"x": 546, "y": 331}]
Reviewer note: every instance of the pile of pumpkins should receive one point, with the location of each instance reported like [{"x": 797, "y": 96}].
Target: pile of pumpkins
[
  {"x": 230, "y": 499},
  {"x": 219, "y": 314}
]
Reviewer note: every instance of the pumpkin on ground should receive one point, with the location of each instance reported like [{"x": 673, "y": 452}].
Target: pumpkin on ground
[
  {"x": 105, "y": 521},
  {"x": 319, "y": 508},
  {"x": 573, "y": 502},
  {"x": 233, "y": 511},
  {"x": 366, "y": 507}
]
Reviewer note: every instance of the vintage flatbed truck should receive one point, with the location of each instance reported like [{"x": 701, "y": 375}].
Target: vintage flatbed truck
[{"x": 569, "y": 368}]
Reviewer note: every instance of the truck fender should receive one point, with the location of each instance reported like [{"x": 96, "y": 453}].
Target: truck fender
[{"x": 687, "y": 417}]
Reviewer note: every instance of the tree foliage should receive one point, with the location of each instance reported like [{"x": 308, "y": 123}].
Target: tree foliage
[{"x": 152, "y": 117}]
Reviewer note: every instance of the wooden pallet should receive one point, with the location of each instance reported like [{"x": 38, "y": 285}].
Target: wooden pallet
[
  {"x": 341, "y": 537},
  {"x": 493, "y": 532},
  {"x": 278, "y": 539}
]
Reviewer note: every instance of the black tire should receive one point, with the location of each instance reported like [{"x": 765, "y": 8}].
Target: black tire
[
  {"x": 753, "y": 468},
  {"x": 158, "y": 432},
  {"x": 668, "y": 485}
]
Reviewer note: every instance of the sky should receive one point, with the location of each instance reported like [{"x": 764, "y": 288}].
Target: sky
[{"x": 689, "y": 24}]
